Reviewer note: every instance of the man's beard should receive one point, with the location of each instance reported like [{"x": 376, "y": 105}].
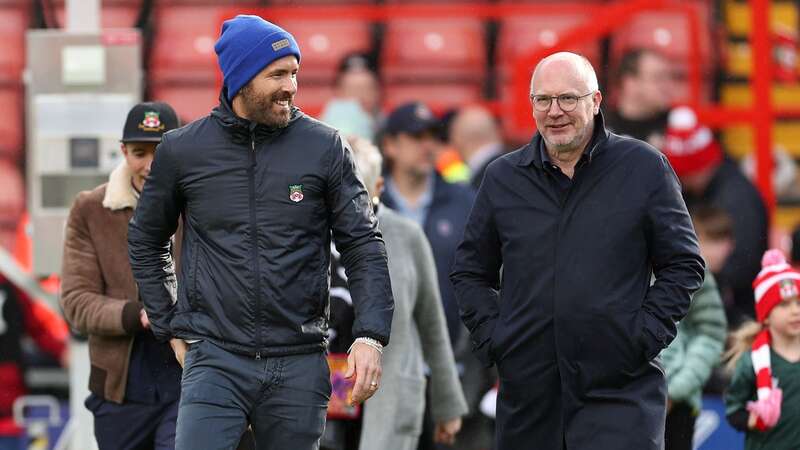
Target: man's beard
[{"x": 259, "y": 107}]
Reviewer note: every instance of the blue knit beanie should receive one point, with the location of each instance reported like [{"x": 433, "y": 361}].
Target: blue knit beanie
[{"x": 246, "y": 45}]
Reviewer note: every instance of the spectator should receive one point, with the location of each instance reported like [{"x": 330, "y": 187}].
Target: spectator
[
  {"x": 22, "y": 316},
  {"x": 715, "y": 233},
  {"x": 474, "y": 133},
  {"x": 134, "y": 379},
  {"x": 416, "y": 191},
  {"x": 447, "y": 159},
  {"x": 708, "y": 177},
  {"x": 643, "y": 90},
  {"x": 419, "y": 334},
  {"x": 690, "y": 359},
  {"x": 764, "y": 396},
  {"x": 347, "y": 116},
  {"x": 357, "y": 78}
]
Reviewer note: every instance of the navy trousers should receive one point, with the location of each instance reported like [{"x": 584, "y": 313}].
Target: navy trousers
[
  {"x": 133, "y": 426},
  {"x": 284, "y": 399}
]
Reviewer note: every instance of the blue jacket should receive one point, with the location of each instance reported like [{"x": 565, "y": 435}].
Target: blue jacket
[{"x": 444, "y": 227}]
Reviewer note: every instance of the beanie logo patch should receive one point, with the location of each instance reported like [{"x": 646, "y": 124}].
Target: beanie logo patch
[
  {"x": 789, "y": 289},
  {"x": 283, "y": 43}
]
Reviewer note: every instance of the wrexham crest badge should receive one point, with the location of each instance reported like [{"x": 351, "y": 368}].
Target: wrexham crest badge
[
  {"x": 151, "y": 122},
  {"x": 295, "y": 192}
]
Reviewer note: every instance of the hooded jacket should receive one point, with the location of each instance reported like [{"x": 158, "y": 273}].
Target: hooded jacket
[{"x": 260, "y": 207}]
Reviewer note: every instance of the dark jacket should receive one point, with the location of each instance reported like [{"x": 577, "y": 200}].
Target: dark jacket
[
  {"x": 732, "y": 192},
  {"x": 260, "y": 206},
  {"x": 444, "y": 226},
  {"x": 650, "y": 130},
  {"x": 573, "y": 323}
]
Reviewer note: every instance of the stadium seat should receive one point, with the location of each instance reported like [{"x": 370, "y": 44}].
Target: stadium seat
[
  {"x": 183, "y": 47},
  {"x": 318, "y": 2},
  {"x": 665, "y": 31},
  {"x": 111, "y": 15},
  {"x": 519, "y": 36},
  {"x": 13, "y": 23},
  {"x": 311, "y": 98},
  {"x": 434, "y": 50},
  {"x": 438, "y": 97},
  {"x": 668, "y": 33},
  {"x": 12, "y": 130},
  {"x": 560, "y": 2},
  {"x": 106, "y": 3},
  {"x": 233, "y": 3},
  {"x": 191, "y": 102},
  {"x": 438, "y": 2},
  {"x": 325, "y": 42}
]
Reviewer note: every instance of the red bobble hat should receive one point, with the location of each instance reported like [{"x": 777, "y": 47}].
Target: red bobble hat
[{"x": 689, "y": 146}]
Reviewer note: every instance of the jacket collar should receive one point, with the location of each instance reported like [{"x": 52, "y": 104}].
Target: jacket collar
[
  {"x": 119, "y": 190},
  {"x": 243, "y": 130},
  {"x": 530, "y": 154}
]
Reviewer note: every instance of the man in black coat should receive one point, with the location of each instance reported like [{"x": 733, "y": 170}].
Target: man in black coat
[
  {"x": 579, "y": 220},
  {"x": 263, "y": 189}
]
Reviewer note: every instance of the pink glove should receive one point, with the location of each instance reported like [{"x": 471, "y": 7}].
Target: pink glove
[{"x": 767, "y": 410}]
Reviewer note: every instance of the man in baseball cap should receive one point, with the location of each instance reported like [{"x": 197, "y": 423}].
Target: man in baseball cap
[
  {"x": 134, "y": 379},
  {"x": 145, "y": 125}
]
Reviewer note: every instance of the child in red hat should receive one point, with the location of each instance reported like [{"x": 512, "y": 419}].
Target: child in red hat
[{"x": 764, "y": 396}]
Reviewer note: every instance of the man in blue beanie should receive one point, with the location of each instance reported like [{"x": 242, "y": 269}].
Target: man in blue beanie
[{"x": 263, "y": 189}]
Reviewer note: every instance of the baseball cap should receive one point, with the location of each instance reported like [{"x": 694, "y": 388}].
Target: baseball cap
[
  {"x": 411, "y": 118},
  {"x": 357, "y": 61},
  {"x": 148, "y": 121}
]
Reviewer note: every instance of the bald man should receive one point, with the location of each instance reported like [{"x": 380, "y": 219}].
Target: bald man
[
  {"x": 474, "y": 134},
  {"x": 579, "y": 219}
]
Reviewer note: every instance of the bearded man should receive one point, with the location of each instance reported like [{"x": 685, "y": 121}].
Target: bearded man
[{"x": 262, "y": 188}]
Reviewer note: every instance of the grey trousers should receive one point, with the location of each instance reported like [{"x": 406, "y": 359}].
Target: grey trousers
[{"x": 284, "y": 399}]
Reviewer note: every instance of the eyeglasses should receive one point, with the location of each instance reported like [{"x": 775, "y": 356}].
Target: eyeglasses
[{"x": 567, "y": 102}]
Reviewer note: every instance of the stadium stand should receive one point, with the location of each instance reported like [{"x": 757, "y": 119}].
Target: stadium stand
[
  {"x": 325, "y": 42},
  {"x": 427, "y": 50}
]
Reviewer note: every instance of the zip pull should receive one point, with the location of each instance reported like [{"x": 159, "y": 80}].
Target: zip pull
[
  {"x": 253, "y": 152},
  {"x": 258, "y": 355}
]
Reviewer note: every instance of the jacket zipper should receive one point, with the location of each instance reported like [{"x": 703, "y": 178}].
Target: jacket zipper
[{"x": 254, "y": 241}]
